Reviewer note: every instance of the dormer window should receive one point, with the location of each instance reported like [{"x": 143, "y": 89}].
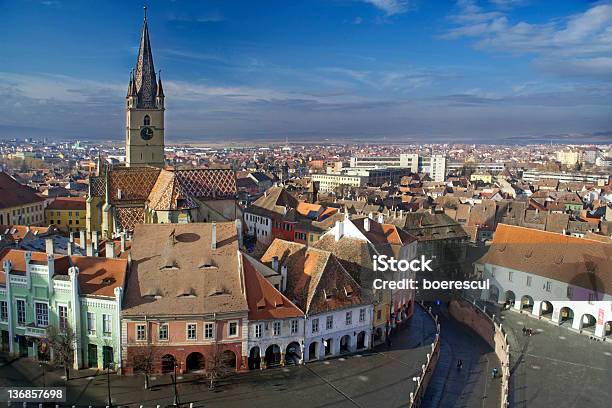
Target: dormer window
[{"x": 147, "y": 121}]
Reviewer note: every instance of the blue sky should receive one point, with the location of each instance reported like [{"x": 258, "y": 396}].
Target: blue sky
[{"x": 489, "y": 70}]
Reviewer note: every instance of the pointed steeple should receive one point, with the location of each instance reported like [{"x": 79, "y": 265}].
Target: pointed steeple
[
  {"x": 129, "y": 91},
  {"x": 144, "y": 79},
  {"x": 160, "y": 89}
]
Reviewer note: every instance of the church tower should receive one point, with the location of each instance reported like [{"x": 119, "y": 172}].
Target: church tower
[{"x": 144, "y": 124}]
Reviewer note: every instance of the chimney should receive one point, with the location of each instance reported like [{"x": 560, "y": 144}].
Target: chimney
[
  {"x": 51, "y": 270},
  {"x": 239, "y": 232},
  {"x": 89, "y": 248},
  {"x": 283, "y": 278},
  {"x": 82, "y": 239},
  {"x": 72, "y": 236},
  {"x": 109, "y": 249},
  {"x": 213, "y": 238},
  {"x": 28, "y": 257},
  {"x": 401, "y": 213},
  {"x": 339, "y": 232},
  {"x": 275, "y": 263},
  {"x": 381, "y": 218},
  {"x": 70, "y": 248},
  {"x": 49, "y": 246},
  {"x": 366, "y": 224},
  {"x": 122, "y": 241},
  {"x": 129, "y": 257},
  {"x": 371, "y": 216}
]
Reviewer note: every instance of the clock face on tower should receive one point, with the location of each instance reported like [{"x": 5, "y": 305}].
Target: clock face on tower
[{"x": 146, "y": 133}]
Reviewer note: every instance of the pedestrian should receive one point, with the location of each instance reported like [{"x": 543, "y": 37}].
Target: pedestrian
[
  {"x": 524, "y": 331},
  {"x": 494, "y": 372},
  {"x": 459, "y": 364}
]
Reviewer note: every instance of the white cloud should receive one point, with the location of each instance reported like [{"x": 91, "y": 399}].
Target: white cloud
[
  {"x": 580, "y": 40},
  {"x": 391, "y": 7}
]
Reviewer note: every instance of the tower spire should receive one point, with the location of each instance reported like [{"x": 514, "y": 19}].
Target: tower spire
[{"x": 144, "y": 78}]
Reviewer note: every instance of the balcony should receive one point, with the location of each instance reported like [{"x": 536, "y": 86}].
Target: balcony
[{"x": 35, "y": 332}]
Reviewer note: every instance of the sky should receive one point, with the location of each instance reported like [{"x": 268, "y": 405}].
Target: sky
[{"x": 374, "y": 70}]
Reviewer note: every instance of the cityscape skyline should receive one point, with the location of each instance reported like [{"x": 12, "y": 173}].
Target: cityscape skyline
[{"x": 489, "y": 71}]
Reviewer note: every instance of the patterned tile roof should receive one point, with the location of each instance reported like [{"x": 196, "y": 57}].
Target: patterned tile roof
[
  {"x": 168, "y": 194},
  {"x": 126, "y": 218},
  {"x": 132, "y": 184},
  {"x": 208, "y": 183}
]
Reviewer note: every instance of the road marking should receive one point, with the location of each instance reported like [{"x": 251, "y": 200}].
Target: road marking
[
  {"x": 338, "y": 390},
  {"x": 562, "y": 337},
  {"x": 362, "y": 378},
  {"x": 536, "y": 367},
  {"x": 567, "y": 362},
  {"x": 607, "y": 353}
]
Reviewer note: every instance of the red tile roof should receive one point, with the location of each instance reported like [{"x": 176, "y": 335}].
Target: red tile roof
[
  {"x": 67, "y": 203},
  {"x": 14, "y": 194},
  {"x": 264, "y": 300}
]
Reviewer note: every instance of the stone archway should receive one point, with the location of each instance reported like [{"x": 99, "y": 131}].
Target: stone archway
[
  {"x": 255, "y": 358},
  {"x": 566, "y": 316},
  {"x": 228, "y": 360},
  {"x": 167, "y": 363},
  {"x": 272, "y": 356},
  {"x": 293, "y": 354},
  {"x": 527, "y": 303},
  {"x": 195, "y": 362},
  {"x": 546, "y": 309},
  {"x": 345, "y": 344},
  {"x": 588, "y": 323},
  {"x": 510, "y": 298}
]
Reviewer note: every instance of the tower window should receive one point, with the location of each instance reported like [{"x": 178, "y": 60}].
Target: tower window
[{"x": 147, "y": 120}]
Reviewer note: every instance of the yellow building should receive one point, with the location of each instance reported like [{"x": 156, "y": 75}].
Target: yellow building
[
  {"x": 484, "y": 177},
  {"x": 19, "y": 204},
  {"x": 67, "y": 213}
]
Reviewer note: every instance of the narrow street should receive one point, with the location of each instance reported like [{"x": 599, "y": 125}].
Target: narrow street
[{"x": 471, "y": 386}]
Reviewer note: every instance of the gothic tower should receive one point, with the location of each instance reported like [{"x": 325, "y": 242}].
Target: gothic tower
[{"x": 144, "y": 124}]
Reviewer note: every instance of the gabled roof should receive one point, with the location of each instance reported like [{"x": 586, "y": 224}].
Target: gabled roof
[
  {"x": 67, "y": 203},
  {"x": 276, "y": 200},
  {"x": 177, "y": 272},
  {"x": 264, "y": 300},
  {"x": 316, "y": 281},
  {"x": 99, "y": 276},
  {"x": 13, "y": 194},
  {"x": 579, "y": 261}
]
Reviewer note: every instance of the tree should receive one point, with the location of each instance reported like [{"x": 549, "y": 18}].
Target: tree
[
  {"x": 61, "y": 343},
  {"x": 218, "y": 365},
  {"x": 143, "y": 360}
]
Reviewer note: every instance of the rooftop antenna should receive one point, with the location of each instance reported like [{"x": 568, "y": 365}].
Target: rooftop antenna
[{"x": 145, "y": 12}]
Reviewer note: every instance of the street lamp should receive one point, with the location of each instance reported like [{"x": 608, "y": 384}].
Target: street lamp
[
  {"x": 176, "y": 401},
  {"x": 43, "y": 365},
  {"x": 108, "y": 368}
]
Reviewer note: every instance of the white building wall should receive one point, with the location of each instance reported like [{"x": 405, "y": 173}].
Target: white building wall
[
  {"x": 268, "y": 338},
  {"x": 542, "y": 289},
  {"x": 338, "y": 330},
  {"x": 259, "y": 226}
]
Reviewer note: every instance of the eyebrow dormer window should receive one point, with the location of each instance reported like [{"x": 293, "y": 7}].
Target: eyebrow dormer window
[{"x": 147, "y": 120}]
